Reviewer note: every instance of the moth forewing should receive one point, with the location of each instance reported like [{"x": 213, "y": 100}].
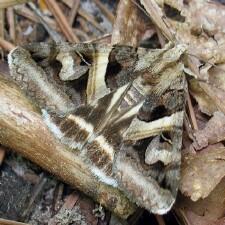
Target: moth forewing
[
  {"x": 96, "y": 87},
  {"x": 34, "y": 81},
  {"x": 150, "y": 176},
  {"x": 138, "y": 111}
]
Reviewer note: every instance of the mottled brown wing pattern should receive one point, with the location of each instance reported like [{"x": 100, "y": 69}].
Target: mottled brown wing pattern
[{"x": 129, "y": 129}]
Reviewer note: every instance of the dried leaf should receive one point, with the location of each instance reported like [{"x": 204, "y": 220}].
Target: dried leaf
[
  {"x": 130, "y": 24},
  {"x": 198, "y": 168},
  {"x": 193, "y": 219},
  {"x": 203, "y": 29},
  {"x": 209, "y": 97},
  {"x": 157, "y": 17},
  {"x": 199, "y": 24},
  {"x": 210, "y": 209},
  {"x": 213, "y": 132},
  {"x": 216, "y": 76}
]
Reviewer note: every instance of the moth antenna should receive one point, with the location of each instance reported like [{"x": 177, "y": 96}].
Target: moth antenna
[{"x": 83, "y": 59}]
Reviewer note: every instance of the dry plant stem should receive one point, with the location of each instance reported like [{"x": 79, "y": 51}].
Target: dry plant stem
[
  {"x": 188, "y": 127},
  {"x": 62, "y": 21},
  {"x": 73, "y": 11},
  {"x": 192, "y": 113},
  {"x": 82, "y": 34},
  {"x": 2, "y": 22},
  {"x": 161, "y": 38},
  {"x": 8, "y": 3},
  {"x": 2, "y": 154},
  {"x": 70, "y": 201},
  {"x": 23, "y": 130},
  {"x": 85, "y": 15},
  {"x": 157, "y": 17},
  {"x": 58, "y": 196},
  {"x": 11, "y": 222},
  {"x": 105, "y": 11},
  {"x": 11, "y": 21},
  {"x": 36, "y": 192},
  {"x": 53, "y": 34},
  {"x": 83, "y": 24},
  {"x": 25, "y": 12},
  {"x": 106, "y": 38},
  {"x": 6, "y": 45},
  {"x": 90, "y": 19},
  {"x": 160, "y": 220}
]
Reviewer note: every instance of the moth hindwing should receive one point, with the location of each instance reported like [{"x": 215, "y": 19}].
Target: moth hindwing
[{"x": 129, "y": 129}]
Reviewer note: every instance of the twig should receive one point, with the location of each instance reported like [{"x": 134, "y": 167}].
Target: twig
[
  {"x": 54, "y": 35},
  {"x": 160, "y": 220},
  {"x": 2, "y": 22},
  {"x": 58, "y": 196},
  {"x": 8, "y": 3},
  {"x": 6, "y": 45},
  {"x": 23, "y": 130},
  {"x": 86, "y": 16},
  {"x": 161, "y": 38},
  {"x": 157, "y": 16},
  {"x": 106, "y": 38},
  {"x": 83, "y": 24},
  {"x": 70, "y": 201},
  {"x": 27, "y": 13},
  {"x": 68, "y": 205},
  {"x": 2, "y": 154},
  {"x": 81, "y": 33},
  {"x": 90, "y": 19},
  {"x": 11, "y": 222},
  {"x": 105, "y": 11},
  {"x": 192, "y": 113},
  {"x": 73, "y": 11},
  {"x": 62, "y": 21},
  {"x": 11, "y": 21},
  {"x": 37, "y": 190},
  {"x": 188, "y": 127}
]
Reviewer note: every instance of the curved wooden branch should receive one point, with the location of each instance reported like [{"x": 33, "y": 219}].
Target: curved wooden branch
[{"x": 22, "y": 129}]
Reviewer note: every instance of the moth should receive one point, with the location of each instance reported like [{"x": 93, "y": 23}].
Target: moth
[{"x": 127, "y": 125}]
